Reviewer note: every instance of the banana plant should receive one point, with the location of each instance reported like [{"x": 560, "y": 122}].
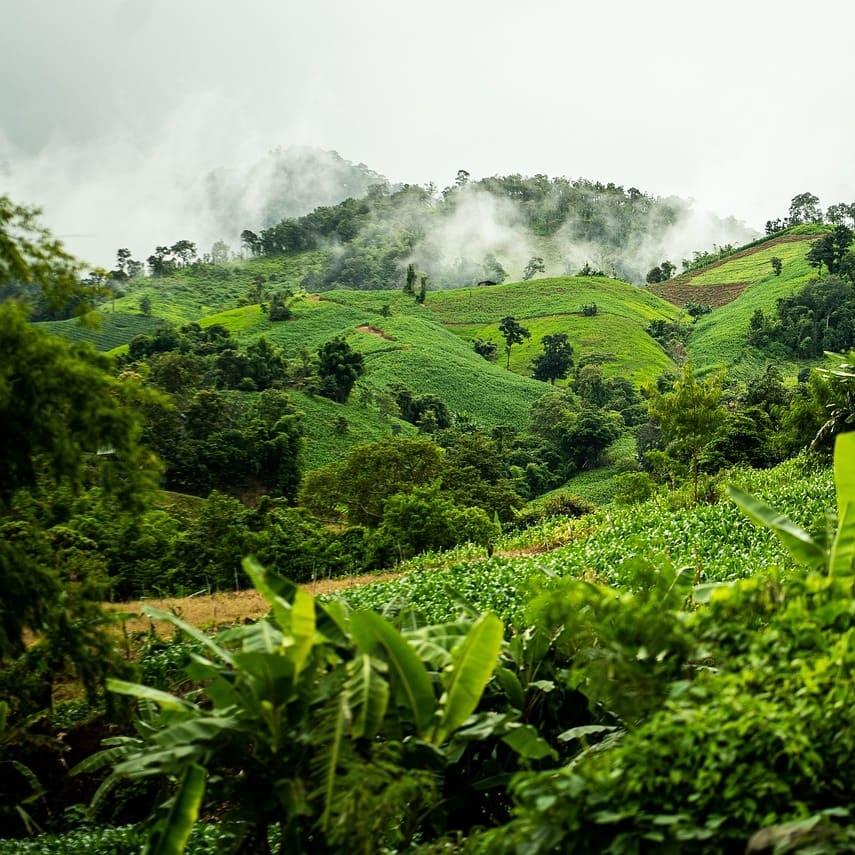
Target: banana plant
[
  {"x": 837, "y": 557},
  {"x": 288, "y": 710}
]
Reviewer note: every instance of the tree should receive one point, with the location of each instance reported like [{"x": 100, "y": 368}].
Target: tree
[
  {"x": 371, "y": 473},
  {"x": 251, "y": 241},
  {"x": 556, "y": 360},
  {"x": 487, "y": 349},
  {"x": 145, "y": 305},
  {"x": 278, "y": 310},
  {"x": 840, "y": 214},
  {"x": 689, "y": 417},
  {"x": 423, "y": 284},
  {"x": 220, "y": 252},
  {"x": 123, "y": 256},
  {"x": 830, "y": 249},
  {"x": 339, "y": 367},
  {"x": 410, "y": 280},
  {"x": 804, "y": 208},
  {"x": 513, "y": 333},
  {"x": 34, "y": 266},
  {"x": 668, "y": 269},
  {"x": 535, "y": 265},
  {"x": 492, "y": 270},
  {"x": 654, "y": 275},
  {"x": 777, "y": 265}
]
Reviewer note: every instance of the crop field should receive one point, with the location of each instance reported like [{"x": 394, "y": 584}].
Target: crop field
[
  {"x": 542, "y": 297},
  {"x": 717, "y": 540},
  {"x": 326, "y": 440},
  {"x": 103, "y": 330},
  {"x": 755, "y": 266},
  {"x": 627, "y": 350}
]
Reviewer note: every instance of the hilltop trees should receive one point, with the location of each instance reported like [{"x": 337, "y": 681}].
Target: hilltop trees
[
  {"x": 514, "y": 333},
  {"x": 661, "y": 273},
  {"x": 534, "y": 266},
  {"x": 556, "y": 360},
  {"x": 804, "y": 208}
]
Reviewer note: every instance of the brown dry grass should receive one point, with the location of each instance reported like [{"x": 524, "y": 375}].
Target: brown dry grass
[{"x": 224, "y": 609}]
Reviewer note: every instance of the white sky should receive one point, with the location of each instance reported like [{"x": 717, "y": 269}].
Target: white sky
[{"x": 737, "y": 104}]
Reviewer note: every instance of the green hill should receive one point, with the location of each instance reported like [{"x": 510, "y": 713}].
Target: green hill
[
  {"x": 547, "y": 306},
  {"x": 736, "y": 286}
]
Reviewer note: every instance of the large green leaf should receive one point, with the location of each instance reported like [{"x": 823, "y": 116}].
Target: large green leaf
[
  {"x": 844, "y": 470},
  {"x": 797, "y": 541},
  {"x": 473, "y": 662},
  {"x": 842, "y": 557},
  {"x": 276, "y": 595},
  {"x": 191, "y": 631},
  {"x": 172, "y": 838},
  {"x": 333, "y": 753},
  {"x": 526, "y": 741},
  {"x": 367, "y": 697},
  {"x": 372, "y": 633},
  {"x": 135, "y": 690},
  {"x": 302, "y": 627}
]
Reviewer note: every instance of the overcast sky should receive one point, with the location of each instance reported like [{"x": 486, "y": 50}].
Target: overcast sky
[{"x": 105, "y": 104}]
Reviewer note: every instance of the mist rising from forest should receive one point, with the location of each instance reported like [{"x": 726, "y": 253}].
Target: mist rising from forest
[{"x": 117, "y": 192}]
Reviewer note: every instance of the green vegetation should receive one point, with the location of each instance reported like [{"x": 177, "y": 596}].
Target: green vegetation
[{"x": 582, "y": 640}]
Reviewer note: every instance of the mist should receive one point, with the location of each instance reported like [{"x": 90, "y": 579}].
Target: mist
[{"x": 116, "y": 114}]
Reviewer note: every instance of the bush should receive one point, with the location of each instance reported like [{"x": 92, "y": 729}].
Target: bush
[
  {"x": 633, "y": 487},
  {"x": 561, "y": 504}
]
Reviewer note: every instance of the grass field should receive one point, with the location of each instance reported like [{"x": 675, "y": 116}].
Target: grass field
[
  {"x": 719, "y": 340},
  {"x": 548, "y": 306},
  {"x": 104, "y": 330}
]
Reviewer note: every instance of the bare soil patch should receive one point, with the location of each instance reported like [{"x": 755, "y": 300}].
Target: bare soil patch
[
  {"x": 375, "y": 331},
  {"x": 682, "y": 293}
]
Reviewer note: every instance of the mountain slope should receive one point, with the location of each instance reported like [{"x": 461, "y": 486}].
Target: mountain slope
[{"x": 736, "y": 287}]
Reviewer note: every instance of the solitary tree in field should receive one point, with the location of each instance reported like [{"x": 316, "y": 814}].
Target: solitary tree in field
[
  {"x": 410, "y": 281},
  {"x": 339, "y": 367},
  {"x": 514, "y": 333},
  {"x": 556, "y": 360},
  {"x": 535, "y": 265},
  {"x": 420, "y": 297},
  {"x": 777, "y": 265},
  {"x": 145, "y": 305},
  {"x": 689, "y": 416}
]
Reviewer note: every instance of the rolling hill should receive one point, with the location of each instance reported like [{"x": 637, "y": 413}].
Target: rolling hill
[
  {"x": 427, "y": 348},
  {"x": 736, "y": 286}
]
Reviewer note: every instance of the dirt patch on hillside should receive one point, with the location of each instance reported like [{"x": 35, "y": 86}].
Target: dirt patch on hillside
[
  {"x": 375, "y": 331},
  {"x": 681, "y": 293}
]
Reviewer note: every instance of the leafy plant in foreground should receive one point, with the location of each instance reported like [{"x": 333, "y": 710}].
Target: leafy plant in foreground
[{"x": 336, "y": 726}]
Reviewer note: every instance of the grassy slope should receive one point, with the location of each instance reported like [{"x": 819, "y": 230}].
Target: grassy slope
[
  {"x": 428, "y": 348},
  {"x": 105, "y": 330},
  {"x": 719, "y": 339},
  {"x": 547, "y": 306}
]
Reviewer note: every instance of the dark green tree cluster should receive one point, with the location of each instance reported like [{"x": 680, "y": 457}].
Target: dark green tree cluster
[{"x": 820, "y": 317}]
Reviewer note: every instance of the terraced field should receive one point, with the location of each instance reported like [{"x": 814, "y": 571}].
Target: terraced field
[{"x": 103, "y": 330}]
